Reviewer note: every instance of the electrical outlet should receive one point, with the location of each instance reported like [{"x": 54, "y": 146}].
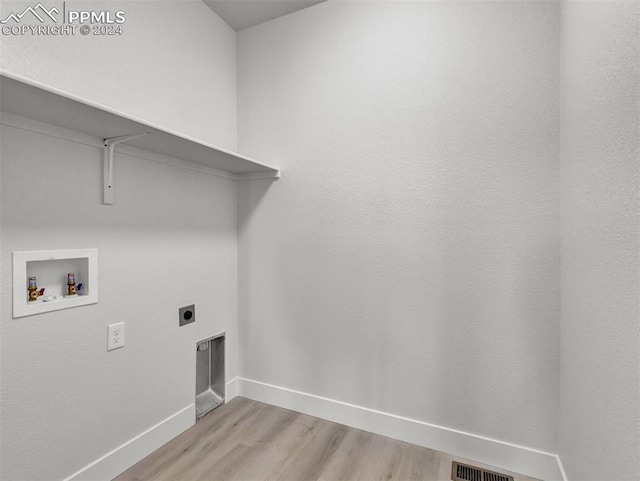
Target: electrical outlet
[
  {"x": 115, "y": 338},
  {"x": 187, "y": 315}
]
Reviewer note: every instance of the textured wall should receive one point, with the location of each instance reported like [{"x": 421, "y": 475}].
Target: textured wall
[
  {"x": 600, "y": 398},
  {"x": 170, "y": 240},
  {"x": 174, "y": 65},
  {"x": 408, "y": 260}
]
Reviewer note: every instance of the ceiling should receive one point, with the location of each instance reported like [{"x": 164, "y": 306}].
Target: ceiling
[{"x": 240, "y": 14}]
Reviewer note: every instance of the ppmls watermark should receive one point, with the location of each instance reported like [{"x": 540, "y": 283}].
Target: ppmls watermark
[{"x": 39, "y": 20}]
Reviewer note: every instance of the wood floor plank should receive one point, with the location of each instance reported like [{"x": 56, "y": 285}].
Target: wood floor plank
[
  {"x": 202, "y": 460},
  {"x": 379, "y": 460},
  {"x": 247, "y": 440},
  {"x": 279, "y": 454},
  {"x": 344, "y": 466},
  {"x": 178, "y": 451},
  {"x": 316, "y": 453},
  {"x": 417, "y": 463}
]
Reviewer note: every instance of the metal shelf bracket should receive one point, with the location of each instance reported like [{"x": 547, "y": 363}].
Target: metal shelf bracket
[{"x": 109, "y": 144}]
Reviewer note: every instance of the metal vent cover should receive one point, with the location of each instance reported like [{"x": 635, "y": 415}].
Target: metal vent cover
[{"x": 464, "y": 472}]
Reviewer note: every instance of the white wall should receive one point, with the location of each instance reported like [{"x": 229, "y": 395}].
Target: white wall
[
  {"x": 418, "y": 213},
  {"x": 408, "y": 260},
  {"x": 174, "y": 65},
  {"x": 170, "y": 240},
  {"x": 600, "y": 398}
]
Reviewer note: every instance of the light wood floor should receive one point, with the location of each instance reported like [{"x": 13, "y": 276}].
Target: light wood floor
[{"x": 247, "y": 440}]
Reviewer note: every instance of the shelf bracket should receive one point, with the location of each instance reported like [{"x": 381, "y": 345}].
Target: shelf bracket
[{"x": 109, "y": 144}]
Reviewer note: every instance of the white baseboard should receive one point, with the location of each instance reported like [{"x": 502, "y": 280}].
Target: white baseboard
[
  {"x": 123, "y": 457},
  {"x": 231, "y": 390},
  {"x": 527, "y": 461},
  {"x": 531, "y": 462},
  {"x": 561, "y": 468}
]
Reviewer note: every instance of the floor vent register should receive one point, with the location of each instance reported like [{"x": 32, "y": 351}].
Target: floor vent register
[{"x": 464, "y": 472}]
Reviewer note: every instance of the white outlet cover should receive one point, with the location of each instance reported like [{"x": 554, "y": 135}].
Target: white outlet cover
[{"x": 115, "y": 336}]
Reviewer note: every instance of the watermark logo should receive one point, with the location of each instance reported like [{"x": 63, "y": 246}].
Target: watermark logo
[
  {"x": 39, "y": 20},
  {"x": 33, "y": 11}
]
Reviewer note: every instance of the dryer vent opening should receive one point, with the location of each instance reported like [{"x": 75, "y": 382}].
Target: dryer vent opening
[{"x": 210, "y": 380}]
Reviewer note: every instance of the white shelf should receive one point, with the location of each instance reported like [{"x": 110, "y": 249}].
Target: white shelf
[
  {"x": 51, "y": 268},
  {"x": 32, "y": 100}
]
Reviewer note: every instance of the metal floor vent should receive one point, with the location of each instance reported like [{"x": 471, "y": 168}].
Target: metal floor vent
[{"x": 464, "y": 472}]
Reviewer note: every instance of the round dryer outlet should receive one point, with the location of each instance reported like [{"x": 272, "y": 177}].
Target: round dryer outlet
[{"x": 187, "y": 314}]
